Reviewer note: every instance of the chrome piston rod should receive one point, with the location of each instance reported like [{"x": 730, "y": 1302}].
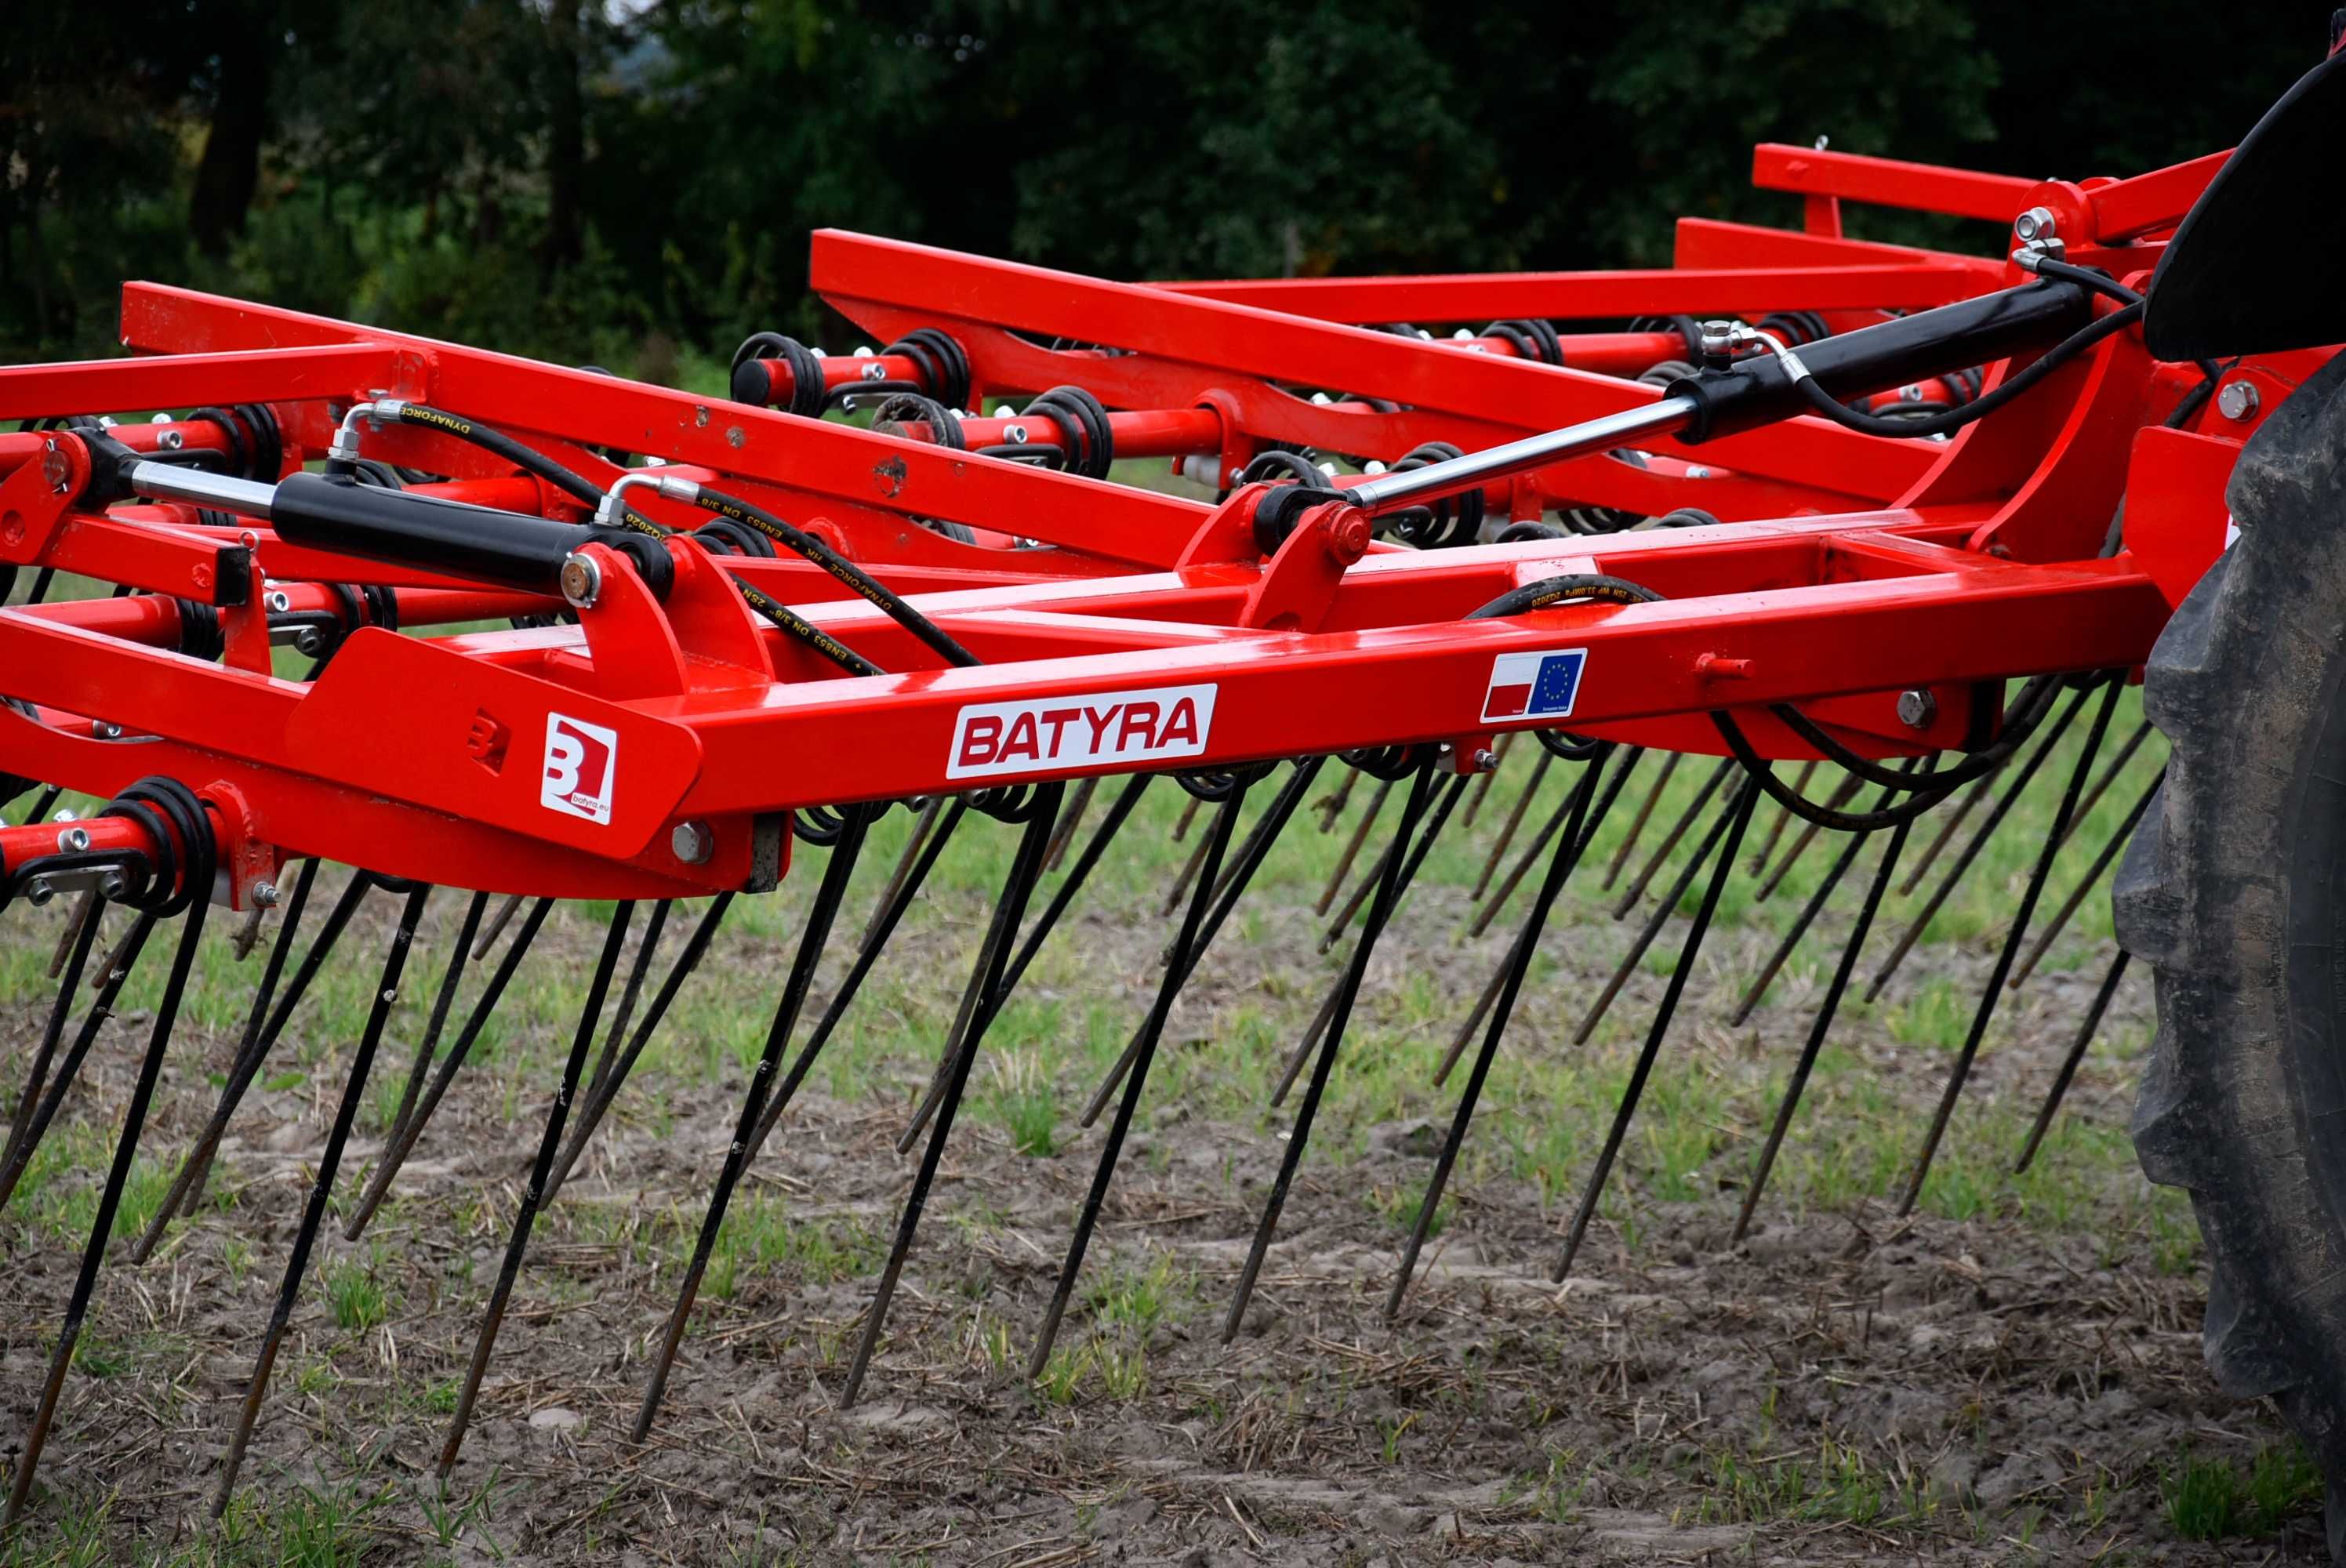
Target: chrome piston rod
[{"x": 1392, "y": 492}]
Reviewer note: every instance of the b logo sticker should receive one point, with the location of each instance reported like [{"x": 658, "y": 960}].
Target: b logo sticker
[{"x": 582, "y": 765}]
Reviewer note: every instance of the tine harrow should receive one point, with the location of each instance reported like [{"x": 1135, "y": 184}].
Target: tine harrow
[{"x": 1798, "y": 525}]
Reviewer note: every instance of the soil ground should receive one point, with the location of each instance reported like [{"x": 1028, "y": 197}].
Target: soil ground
[{"x": 2009, "y": 1375}]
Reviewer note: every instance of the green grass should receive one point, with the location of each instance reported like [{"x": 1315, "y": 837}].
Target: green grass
[{"x": 2209, "y": 1499}]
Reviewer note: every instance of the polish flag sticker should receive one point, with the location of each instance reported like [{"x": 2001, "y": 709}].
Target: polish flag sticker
[{"x": 1533, "y": 685}]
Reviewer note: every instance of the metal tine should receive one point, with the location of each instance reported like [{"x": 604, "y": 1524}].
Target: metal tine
[
  {"x": 922, "y": 821},
  {"x": 1515, "y": 820},
  {"x": 1833, "y": 803},
  {"x": 1320, "y": 1021},
  {"x": 1118, "y": 810},
  {"x": 1629, "y": 845},
  {"x": 838, "y": 868},
  {"x": 581, "y": 1041},
  {"x": 1735, "y": 819},
  {"x": 1388, "y": 894},
  {"x": 599, "y": 1096},
  {"x": 1955, "y": 819},
  {"x": 1450, "y": 795},
  {"x": 1783, "y": 819},
  {"x": 119, "y": 964},
  {"x": 1583, "y": 826},
  {"x": 2069, "y": 1063},
  {"x": 884, "y": 924},
  {"x": 1069, "y": 820},
  {"x": 115, "y": 958},
  {"x": 84, "y": 911},
  {"x": 497, "y": 923},
  {"x": 396, "y": 1150},
  {"x": 2089, "y": 882},
  {"x": 1482, "y": 784},
  {"x": 1662, "y": 911},
  {"x": 1181, "y": 825},
  {"x": 321, "y": 1186},
  {"x": 2112, "y": 687},
  {"x": 450, "y": 979},
  {"x": 36, "y": 1075},
  {"x": 1569, "y": 845},
  {"x": 1986, "y": 830},
  {"x": 1809, "y": 910},
  {"x": 1174, "y": 894},
  {"x": 1332, "y": 805},
  {"x": 126, "y": 1149},
  {"x": 638, "y": 971},
  {"x": 1025, "y": 867},
  {"x": 1636, "y": 892},
  {"x": 1352, "y": 845},
  {"x": 2110, "y": 777},
  {"x": 1027, "y": 950},
  {"x": 1629, "y": 760},
  {"x": 187, "y": 1185},
  {"x": 1152, "y": 1030},
  {"x": 1250, "y": 856},
  {"x": 985, "y": 974},
  {"x": 1797, "y": 1084}
]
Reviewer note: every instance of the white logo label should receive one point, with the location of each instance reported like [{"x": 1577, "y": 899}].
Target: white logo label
[
  {"x": 991, "y": 738},
  {"x": 582, "y": 764}
]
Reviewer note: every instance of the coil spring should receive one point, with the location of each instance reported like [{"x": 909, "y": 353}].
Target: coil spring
[
  {"x": 1087, "y": 439},
  {"x": 751, "y": 384},
  {"x": 1450, "y": 521},
  {"x": 1531, "y": 339}
]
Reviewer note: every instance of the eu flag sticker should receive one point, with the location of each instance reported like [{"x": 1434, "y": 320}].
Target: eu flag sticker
[{"x": 1533, "y": 685}]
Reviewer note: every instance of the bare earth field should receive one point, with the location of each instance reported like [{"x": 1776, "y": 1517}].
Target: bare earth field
[{"x": 2011, "y": 1376}]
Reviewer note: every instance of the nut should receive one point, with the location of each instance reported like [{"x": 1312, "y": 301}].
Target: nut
[
  {"x": 73, "y": 840},
  {"x": 582, "y": 581},
  {"x": 2239, "y": 400},
  {"x": 2032, "y": 225},
  {"x": 1918, "y": 708}
]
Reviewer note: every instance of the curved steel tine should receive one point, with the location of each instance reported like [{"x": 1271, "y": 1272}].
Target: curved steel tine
[
  {"x": 395, "y": 1151},
  {"x": 124, "y": 958},
  {"x": 1847, "y": 787},
  {"x": 2019, "y": 782},
  {"x": 321, "y": 1186},
  {"x": 1670, "y": 760},
  {"x": 581, "y": 1041},
  {"x": 1515, "y": 820},
  {"x": 450, "y": 979},
  {"x": 1630, "y": 757},
  {"x": 1734, "y": 819},
  {"x": 1636, "y": 892},
  {"x": 1482, "y": 782},
  {"x": 1152, "y": 1029},
  {"x": 1069, "y": 820},
  {"x": 821, "y": 915},
  {"x": 2070, "y": 1062},
  {"x": 922, "y": 821},
  {"x": 37, "y": 1075},
  {"x": 1347, "y": 990},
  {"x": 2089, "y": 882},
  {"x": 1783, "y": 819},
  {"x": 1663, "y": 909},
  {"x": 1025, "y": 867},
  {"x": 1511, "y": 975},
  {"x": 1352, "y": 845},
  {"x": 1822, "y": 1027},
  {"x": 1434, "y": 823},
  {"x": 109, "y": 1200},
  {"x": 2020, "y": 916}
]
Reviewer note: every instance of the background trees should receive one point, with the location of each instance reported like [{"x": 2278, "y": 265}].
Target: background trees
[{"x": 589, "y": 180}]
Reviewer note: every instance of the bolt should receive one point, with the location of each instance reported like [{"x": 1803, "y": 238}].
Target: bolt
[
  {"x": 39, "y": 890},
  {"x": 692, "y": 842},
  {"x": 105, "y": 729},
  {"x": 112, "y": 885},
  {"x": 2239, "y": 400},
  {"x": 1014, "y": 434},
  {"x": 1486, "y": 760},
  {"x": 582, "y": 581},
  {"x": 57, "y": 470},
  {"x": 873, "y": 370},
  {"x": 264, "y": 895},
  {"x": 309, "y": 644},
  {"x": 2032, "y": 225},
  {"x": 1918, "y": 708},
  {"x": 73, "y": 840},
  {"x": 171, "y": 440},
  {"x": 279, "y": 601}
]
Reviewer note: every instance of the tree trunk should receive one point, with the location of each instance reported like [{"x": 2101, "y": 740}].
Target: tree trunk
[
  {"x": 565, "y": 152},
  {"x": 230, "y": 169}
]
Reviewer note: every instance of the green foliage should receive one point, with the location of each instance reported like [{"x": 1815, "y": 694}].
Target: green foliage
[{"x": 583, "y": 181}]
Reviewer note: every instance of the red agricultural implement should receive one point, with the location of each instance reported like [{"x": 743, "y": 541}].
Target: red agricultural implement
[{"x": 1801, "y": 506}]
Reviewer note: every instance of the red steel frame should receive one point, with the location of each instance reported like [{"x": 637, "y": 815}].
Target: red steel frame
[{"x": 1861, "y": 567}]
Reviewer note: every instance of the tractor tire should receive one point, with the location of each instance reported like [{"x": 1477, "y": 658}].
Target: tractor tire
[{"x": 2234, "y": 891}]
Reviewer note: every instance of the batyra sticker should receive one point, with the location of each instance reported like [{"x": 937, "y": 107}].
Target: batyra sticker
[
  {"x": 1163, "y": 723},
  {"x": 582, "y": 764}
]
